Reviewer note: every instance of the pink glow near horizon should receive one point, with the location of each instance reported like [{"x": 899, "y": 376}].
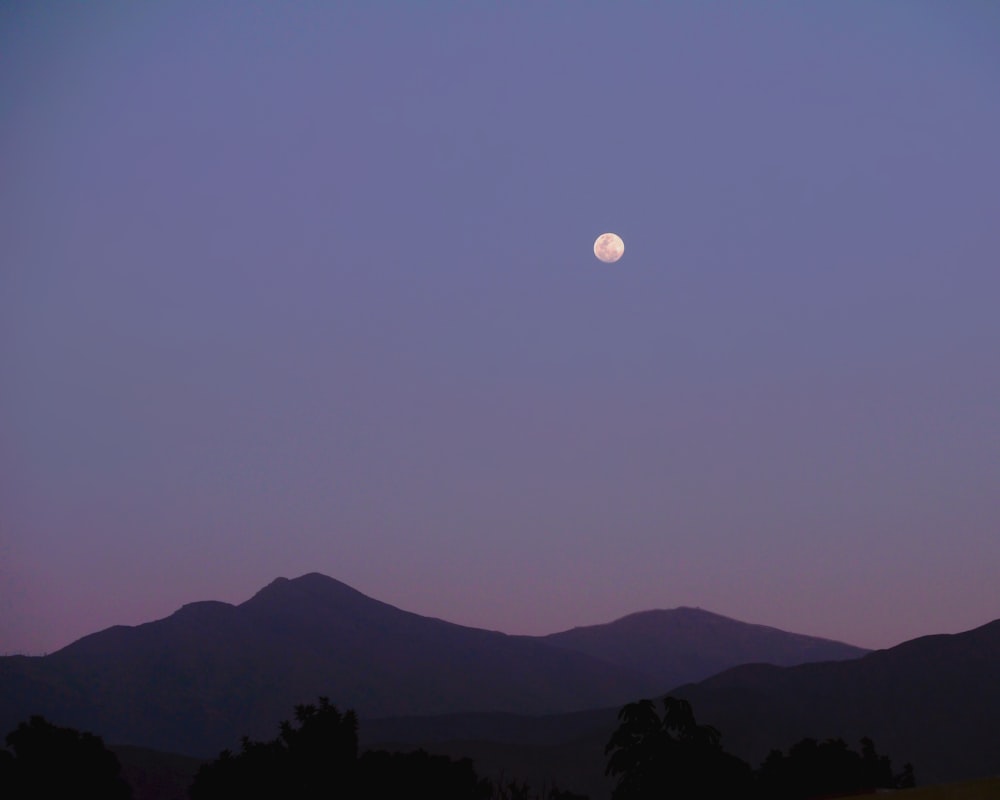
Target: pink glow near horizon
[{"x": 293, "y": 290}]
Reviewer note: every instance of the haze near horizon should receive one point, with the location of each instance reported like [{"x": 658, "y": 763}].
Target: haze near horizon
[{"x": 306, "y": 288}]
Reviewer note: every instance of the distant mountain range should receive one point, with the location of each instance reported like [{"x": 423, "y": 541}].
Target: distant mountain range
[
  {"x": 211, "y": 672},
  {"x": 932, "y": 701}
]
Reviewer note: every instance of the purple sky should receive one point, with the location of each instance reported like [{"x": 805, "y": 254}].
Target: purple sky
[{"x": 294, "y": 287}]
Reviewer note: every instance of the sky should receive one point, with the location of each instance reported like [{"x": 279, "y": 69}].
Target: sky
[{"x": 297, "y": 287}]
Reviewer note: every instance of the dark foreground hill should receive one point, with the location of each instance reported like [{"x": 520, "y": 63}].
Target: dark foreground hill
[
  {"x": 196, "y": 681},
  {"x": 933, "y": 701}
]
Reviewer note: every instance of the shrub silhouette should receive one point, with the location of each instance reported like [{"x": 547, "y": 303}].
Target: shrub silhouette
[
  {"x": 386, "y": 775},
  {"x": 672, "y": 756},
  {"x": 318, "y": 757},
  {"x": 51, "y": 761},
  {"x": 818, "y": 769}
]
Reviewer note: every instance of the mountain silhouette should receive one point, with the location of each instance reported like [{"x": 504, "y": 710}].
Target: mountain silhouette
[
  {"x": 932, "y": 701},
  {"x": 687, "y": 644},
  {"x": 199, "y": 679}
]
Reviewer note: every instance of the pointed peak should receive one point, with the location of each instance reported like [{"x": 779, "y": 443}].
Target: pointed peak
[{"x": 311, "y": 587}]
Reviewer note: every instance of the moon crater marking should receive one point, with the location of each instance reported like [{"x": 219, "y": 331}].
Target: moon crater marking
[{"x": 609, "y": 247}]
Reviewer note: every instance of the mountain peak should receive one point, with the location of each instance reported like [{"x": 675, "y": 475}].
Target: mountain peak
[
  {"x": 679, "y": 645},
  {"x": 680, "y": 612},
  {"x": 212, "y": 671},
  {"x": 311, "y": 586},
  {"x": 313, "y": 597}
]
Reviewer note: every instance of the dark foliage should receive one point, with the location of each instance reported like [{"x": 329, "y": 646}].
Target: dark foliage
[
  {"x": 671, "y": 756},
  {"x": 515, "y": 790},
  {"x": 384, "y": 774},
  {"x": 559, "y": 794},
  {"x": 829, "y": 768},
  {"x": 318, "y": 757},
  {"x": 50, "y": 761}
]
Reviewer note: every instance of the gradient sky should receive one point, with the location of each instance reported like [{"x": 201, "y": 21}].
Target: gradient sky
[{"x": 295, "y": 287}]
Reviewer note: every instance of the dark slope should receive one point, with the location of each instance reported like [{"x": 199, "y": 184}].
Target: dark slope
[
  {"x": 688, "y": 644},
  {"x": 934, "y": 701},
  {"x": 199, "y": 679}
]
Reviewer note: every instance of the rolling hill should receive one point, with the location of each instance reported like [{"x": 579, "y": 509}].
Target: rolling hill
[{"x": 932, "y": 701}]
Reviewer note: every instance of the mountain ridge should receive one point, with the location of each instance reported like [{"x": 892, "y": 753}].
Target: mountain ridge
[
  {"x": 197, "y": 680},
  {"x": 674, "y": 644},
  {"x": 933, "y": 701}
]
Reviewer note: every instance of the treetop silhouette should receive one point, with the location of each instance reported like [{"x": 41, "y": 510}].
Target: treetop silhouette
[{"x": 47, "y": 760}]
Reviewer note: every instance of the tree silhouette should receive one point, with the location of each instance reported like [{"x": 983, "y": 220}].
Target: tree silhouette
[
  {"x": 51, "y": 761},
  {"x": 322, "y": 750},
  {"x": 819, "y": 769},
  {"x": 318, "y": 757},
  {"x": 671, "y": 756}
]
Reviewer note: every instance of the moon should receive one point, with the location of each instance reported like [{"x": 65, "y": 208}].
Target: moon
[{"x": 609, "y": 247}]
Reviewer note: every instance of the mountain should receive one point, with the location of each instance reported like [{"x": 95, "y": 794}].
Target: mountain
[
  {"x": 199, "y": 679},
  {"x": 932, "y": 701},
  {"x": 687, "y": 644}
]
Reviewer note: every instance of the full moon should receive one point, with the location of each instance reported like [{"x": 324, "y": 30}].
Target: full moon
[{"x": 609, "y": 247}]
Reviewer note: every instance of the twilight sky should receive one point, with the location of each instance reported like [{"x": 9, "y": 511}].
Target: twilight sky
[{"x": 294, "y": 287}]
